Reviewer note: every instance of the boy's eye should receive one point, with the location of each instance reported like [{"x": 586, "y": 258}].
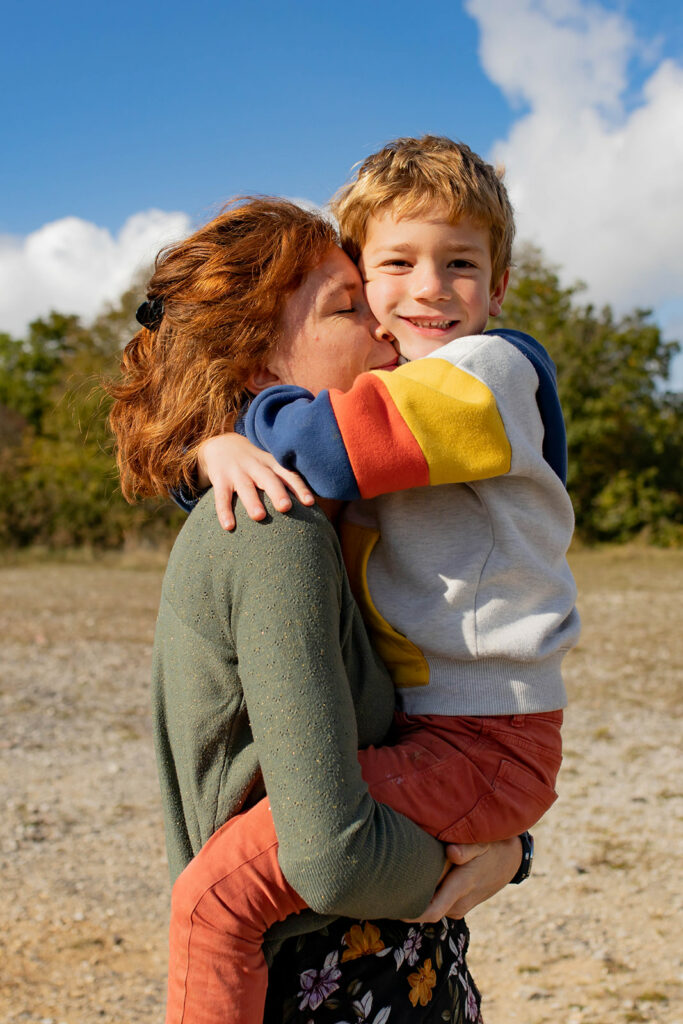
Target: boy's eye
[{"x": 462, "y": 264}]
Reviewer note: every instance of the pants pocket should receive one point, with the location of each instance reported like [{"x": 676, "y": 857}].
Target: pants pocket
[{"x": 517, "y": 800}]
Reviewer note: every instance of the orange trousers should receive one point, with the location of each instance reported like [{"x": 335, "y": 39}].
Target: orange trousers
[{"x": 463, "y": 780}]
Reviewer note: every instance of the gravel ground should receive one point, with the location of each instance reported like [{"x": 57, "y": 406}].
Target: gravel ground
[{"x": 595, "y": 937}]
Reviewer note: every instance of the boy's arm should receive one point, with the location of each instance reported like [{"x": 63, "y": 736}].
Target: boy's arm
[
  {"x": 239, "y": 468},
  {"x": 243, "y": 470},
  {"x": 433, "y": 421}
]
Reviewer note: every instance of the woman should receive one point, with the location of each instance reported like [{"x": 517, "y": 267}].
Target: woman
[{"x": 261, "y": 662}]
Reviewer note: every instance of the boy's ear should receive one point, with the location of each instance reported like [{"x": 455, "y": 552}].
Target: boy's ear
[
  {"x": 498, "y": 294},
  {"x": 261, "y": 379}
]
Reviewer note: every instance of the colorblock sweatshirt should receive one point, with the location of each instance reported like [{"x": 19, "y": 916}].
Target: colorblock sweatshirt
[{"x": 457, "y": 555}]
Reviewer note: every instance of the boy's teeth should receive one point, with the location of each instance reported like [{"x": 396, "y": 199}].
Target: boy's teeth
[{"x": 431, "y": 323}]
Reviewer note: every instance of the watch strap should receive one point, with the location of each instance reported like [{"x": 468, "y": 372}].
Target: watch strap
[{"x": 524, "y": 869}]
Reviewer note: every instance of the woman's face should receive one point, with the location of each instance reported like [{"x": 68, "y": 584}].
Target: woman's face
[{"x": 329, "y": 333}]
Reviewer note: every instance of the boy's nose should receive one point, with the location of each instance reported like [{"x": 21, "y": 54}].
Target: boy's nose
[{"x": 430, "y": 285}]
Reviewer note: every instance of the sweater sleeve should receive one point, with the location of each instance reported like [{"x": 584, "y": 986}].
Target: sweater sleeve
[
  {"x": 432, "y": 421},
  {"x": 184, "y": 498},
  {"x": 343, "y": 852}
]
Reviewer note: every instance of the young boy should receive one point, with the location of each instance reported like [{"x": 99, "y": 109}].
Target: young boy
[{"x": 463, "y": 583}]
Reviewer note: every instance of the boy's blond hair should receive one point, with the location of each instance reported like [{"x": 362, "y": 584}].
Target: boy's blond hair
[{"x": 412, "y": 176}]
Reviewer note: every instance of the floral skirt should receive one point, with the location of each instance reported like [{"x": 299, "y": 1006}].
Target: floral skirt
[{"x": 371, "y": 972}]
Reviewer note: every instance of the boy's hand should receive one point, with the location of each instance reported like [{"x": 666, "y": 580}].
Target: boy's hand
[
  {"x": 233, "y": 465},
  {"x": 481, "y": 870}
]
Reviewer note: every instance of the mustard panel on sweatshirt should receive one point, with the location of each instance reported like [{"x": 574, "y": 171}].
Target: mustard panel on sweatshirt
[
  {"x": 406, "y": 663},
  {"x": 453, "y": 417}
]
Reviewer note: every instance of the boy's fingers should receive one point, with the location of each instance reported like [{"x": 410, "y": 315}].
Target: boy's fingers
[
  {"x": 298, "y": 487},
  {"x": 296, "y": 484},
  {"x": 222, "y": 497},
  {"x": 276, "y": 491},
  {"x": 249, "y": 496},
  {"x": 275, "y": 481}
]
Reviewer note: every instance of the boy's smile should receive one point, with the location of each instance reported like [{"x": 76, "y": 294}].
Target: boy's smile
[{"x": 429, "y": 281}]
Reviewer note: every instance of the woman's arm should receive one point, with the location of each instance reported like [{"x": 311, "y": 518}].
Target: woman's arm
[{"x": 298, "y": 635}]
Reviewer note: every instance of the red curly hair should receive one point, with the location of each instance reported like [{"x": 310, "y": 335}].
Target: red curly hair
[{"x": 223, "y": 290}]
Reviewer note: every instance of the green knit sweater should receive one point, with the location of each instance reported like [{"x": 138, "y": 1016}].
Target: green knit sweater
[{"x": 263, "y": 673}]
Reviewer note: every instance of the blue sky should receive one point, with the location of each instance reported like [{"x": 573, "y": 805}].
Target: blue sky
[
  {"x": 110, "y": 111},
  {"x": 132, "y": 105}
]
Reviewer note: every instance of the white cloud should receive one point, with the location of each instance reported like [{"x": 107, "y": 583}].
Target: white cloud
[
  {"x": 597, "y": 184},
  {"x": 554, "y": 54},
  {"x": 76, "y": 267}
]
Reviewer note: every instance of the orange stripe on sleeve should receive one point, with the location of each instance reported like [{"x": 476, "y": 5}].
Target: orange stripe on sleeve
[{"x": 382, "y": 450}]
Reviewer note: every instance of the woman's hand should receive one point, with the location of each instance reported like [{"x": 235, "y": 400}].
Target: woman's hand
[
  {"x": 481, "y": 870},
  {"x": 233, "y": 465}
]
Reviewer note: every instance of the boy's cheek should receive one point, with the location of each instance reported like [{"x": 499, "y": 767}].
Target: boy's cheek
[
  {"x": 382, "y": 302},
  {"x": 376, "y": 293}
]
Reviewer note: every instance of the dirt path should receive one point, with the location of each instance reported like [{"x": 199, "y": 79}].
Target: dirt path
[{"x": 595, "y": 938}]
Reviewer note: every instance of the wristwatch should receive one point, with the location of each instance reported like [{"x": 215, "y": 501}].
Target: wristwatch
[{"x": 524, "y": 869}]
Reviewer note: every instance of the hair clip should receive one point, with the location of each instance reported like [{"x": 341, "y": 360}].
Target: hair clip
[{"x": 149, "y": 314}]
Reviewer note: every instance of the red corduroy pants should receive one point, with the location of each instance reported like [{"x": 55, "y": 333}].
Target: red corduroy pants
[{"x": 463, "y": 780}]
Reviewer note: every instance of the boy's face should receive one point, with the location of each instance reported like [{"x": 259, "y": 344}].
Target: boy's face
[{"x": 429, "y": 281}]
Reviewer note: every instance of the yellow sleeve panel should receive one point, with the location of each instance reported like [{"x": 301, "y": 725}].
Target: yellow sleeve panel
[
  {"x": 453, "y": 417},
  {"x": 406, "y": 662}
]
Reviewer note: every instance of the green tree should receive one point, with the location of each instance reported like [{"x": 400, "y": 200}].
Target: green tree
[
  {"x": 625, "y": 431},
  {"x": 60, "y": 482},
  {"x": 29, "y": 367},
  {"x": 623, "y": 428}
]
